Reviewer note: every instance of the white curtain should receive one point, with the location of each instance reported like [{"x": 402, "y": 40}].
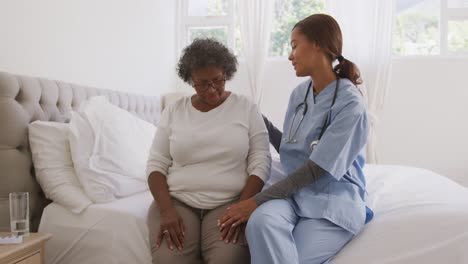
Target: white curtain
[
  {"x": 367, "y": 41},
  {"x": 255, "y": 18}
]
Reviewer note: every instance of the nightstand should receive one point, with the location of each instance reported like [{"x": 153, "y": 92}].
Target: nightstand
[{"x": 31, "y": 251}]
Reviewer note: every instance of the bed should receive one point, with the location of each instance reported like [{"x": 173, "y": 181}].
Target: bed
[{"x": 420, "y": 216}]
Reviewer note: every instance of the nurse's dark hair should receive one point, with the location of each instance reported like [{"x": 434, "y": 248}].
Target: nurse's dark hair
[
  {"x": 203, "y": 53},
  {"x": 325, "y": 31}
]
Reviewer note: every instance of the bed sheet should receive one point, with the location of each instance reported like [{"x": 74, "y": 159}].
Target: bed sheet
[
  {"x": 108, "y": 233},
  {"x": 420, "y": 217}
]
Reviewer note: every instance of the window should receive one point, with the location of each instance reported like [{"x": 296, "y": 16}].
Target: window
[
  {"x": 431, "y": 27},
  {"x": 217, "y": 19},
  {"x": 287, "y": 14},
  {"x": 208, "y": 19}
]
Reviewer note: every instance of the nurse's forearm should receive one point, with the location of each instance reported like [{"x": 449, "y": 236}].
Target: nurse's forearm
[
  {"x": 274, "y": 134},
  {"x": 302, "y": 177}
]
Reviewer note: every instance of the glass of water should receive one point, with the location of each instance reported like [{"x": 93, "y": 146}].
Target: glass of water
[{"x": 19, "y": 213}]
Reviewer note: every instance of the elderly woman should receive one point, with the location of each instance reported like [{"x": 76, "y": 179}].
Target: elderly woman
[{"x": 211, "y": 150}]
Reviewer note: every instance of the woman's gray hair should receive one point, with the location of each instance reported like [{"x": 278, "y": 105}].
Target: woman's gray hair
[{"x": 203, "y": 53}]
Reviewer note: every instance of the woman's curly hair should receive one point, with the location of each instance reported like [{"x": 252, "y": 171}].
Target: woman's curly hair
[{"x": 203, "y": 53}]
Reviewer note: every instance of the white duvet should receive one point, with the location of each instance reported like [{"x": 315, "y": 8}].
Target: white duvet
[
  {"x": 109, "y": 233},
  {"x": 420, "y": 217}
]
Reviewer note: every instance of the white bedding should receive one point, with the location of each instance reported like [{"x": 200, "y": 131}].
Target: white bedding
[
  {"x": 109, "y": 233},
  {"x": 420, "y": 217}
]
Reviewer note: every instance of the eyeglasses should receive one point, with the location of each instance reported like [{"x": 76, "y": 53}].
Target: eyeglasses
[{"x": 204, "y": 86}]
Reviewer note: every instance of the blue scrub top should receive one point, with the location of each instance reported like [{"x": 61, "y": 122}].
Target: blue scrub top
[{"x": 340, "y": 194}]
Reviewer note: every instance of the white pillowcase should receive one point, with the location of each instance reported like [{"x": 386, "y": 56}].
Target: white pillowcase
[
  {"x": 110, "y": 148},
  {"x": 54, "y": 166}
]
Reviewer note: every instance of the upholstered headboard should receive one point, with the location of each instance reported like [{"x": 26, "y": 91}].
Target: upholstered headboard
[{"x": 26, "y": 99}]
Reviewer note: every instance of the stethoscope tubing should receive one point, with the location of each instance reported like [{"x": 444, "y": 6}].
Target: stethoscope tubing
[{"x": 290, "y": 138}]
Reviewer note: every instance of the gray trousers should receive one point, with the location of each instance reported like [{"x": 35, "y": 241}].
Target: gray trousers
[{"x": 202, "y": 238}]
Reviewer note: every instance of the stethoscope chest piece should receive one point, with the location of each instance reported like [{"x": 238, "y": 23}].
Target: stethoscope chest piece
[{"x": 313, "y": 145}]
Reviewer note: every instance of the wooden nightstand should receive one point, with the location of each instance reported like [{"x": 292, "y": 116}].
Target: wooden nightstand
[{"x": 31, "y": 251}]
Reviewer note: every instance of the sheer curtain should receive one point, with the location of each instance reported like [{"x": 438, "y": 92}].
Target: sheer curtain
[
  {"x": 255, "y": 18},
  {"x": 367, "y": 41}
]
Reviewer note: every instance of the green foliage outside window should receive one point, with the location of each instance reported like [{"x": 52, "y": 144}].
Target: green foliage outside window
[
  {"x": 416, "y": 33},
  {"x": 458, "y": 36},
  {"x": 287, "y": 14},
  {"x": 217, "y": 7}
]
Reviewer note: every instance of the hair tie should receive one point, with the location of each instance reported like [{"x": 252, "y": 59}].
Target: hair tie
[{"x": 340, "y": 58}]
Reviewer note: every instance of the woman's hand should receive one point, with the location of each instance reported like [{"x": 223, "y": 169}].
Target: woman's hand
[
  {"x": 237, "y": 214},
  {"x": 172, "y": 229}
]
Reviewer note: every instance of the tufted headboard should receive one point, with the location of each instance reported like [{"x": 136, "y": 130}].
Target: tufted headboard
[{"x": 26, "y": 99}]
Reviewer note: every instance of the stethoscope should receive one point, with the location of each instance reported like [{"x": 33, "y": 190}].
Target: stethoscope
[{"x": 305, "y": 106}]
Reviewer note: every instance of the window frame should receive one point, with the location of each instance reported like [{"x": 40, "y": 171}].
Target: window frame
[{"x": 185, "y": 22}]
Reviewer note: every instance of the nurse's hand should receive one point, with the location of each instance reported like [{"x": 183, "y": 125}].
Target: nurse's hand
[
  {"x": 237, "y": 214},
  {"x": 233, "y": 233}
]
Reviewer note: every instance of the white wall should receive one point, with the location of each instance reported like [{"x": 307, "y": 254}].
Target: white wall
[
  {"x": 280, "y": 80},
  {"x": 113, "y": 44},
  {"x": 424, "y": 123}
]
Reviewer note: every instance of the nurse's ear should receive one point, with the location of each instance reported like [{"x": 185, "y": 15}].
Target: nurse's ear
[
  {"x": 315, "y": 46},
  {"x": 318, "y": 50}
]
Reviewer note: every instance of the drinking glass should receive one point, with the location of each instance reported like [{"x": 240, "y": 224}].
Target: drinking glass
[{"x": 19, "y": 213}]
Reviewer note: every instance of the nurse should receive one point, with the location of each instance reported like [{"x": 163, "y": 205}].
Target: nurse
[{"x": 320, "y": 205}]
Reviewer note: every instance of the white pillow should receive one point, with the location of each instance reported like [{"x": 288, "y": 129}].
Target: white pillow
[
  {"x": 110, "y": 148},
  {"x": 54, "y": 166}
]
